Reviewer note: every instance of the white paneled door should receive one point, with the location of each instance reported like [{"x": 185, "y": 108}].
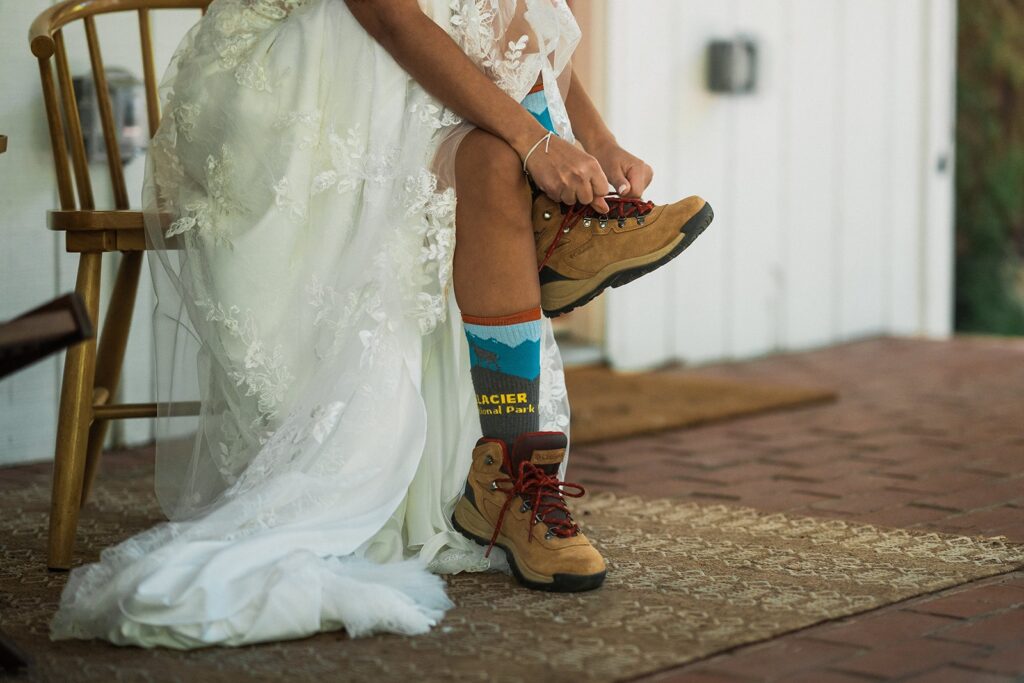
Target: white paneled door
[{"x": 831, "y": 182}]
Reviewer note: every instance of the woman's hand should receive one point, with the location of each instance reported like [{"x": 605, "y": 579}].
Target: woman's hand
[
  {"x": 569, "y": 175},
  {"x": 629, "y": 175}
]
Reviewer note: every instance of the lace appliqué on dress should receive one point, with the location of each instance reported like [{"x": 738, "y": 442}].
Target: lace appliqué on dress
[
  {"x": 262, "y": 372},
  {"x": 434, "y": 116},
  {"x": 201, "y": 215},
  {"x": 284, "y": 200}
]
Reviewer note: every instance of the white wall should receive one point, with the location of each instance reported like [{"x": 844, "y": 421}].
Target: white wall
[
  {"x": 833, "y": 221},
  {"x": 29, "y": 264},
  {"x": 33, "y": 265}
]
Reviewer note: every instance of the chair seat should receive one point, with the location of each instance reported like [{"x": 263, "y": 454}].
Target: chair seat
[
  {"x": 111, "y": 230},
  {"x": 94, "y": 220}
]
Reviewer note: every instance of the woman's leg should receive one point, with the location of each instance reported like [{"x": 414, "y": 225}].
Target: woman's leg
[
  {"x": 498, "y": 289},
  {"x": 497, "y": 286},
  {"x": 495, "y": 268}
]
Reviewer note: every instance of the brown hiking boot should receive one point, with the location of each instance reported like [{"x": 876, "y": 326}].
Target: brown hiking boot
[
  {"x": 581, "y": 252},
  {"x": 516, "y": 502}
]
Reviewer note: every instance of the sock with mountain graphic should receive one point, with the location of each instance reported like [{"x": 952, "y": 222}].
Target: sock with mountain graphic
[{"x": 504, "y": 355}]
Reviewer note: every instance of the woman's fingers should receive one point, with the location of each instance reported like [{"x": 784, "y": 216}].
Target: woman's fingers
[
  {"x": 619, "y": 181},
  {"x": 600, "y": 188},
  {"x": 639, "y": 177},
  {"x": 585, "y": 194},
  {"x": 598, "y": 184},
  {"x": 569, "y": 175}
]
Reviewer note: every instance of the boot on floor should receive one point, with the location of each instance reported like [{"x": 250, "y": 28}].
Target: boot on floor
[{"x": 514, "y": 500}]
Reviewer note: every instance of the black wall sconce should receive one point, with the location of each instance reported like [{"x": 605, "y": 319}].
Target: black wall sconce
[{"x": 732, "y": 66}]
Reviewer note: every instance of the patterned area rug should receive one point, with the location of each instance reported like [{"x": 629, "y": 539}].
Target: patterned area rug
[
  {"x": 685, "y": 581},
  {"x": 613, "y": 405}
]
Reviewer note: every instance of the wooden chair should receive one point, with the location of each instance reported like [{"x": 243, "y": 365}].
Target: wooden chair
[{"x": 91, "y": 374}]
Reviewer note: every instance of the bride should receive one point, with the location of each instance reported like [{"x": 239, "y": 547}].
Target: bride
[{"x": 300, "y": 201}]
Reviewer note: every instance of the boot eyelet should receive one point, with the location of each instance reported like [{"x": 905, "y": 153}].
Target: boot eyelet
[
  {"x": 547, "y": 215},
  {"x": 587, "y": 222},
  {"x": 622, "y": 222},
  {"x": 494, "y": 486},
  {"x": 565, "y": 230},
  {"x": 548, "y": 536},
  {"x": 603, "y": 223},
  {"x": 488, "y": 460},
  {"x": 537, "y": 517},
  {"x": 524, "y": 507},
  {"x": 640, "y": 220}
]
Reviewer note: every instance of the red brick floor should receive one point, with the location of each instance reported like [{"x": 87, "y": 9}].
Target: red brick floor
[
  {"x": 928, "y": 435},
  {"x": 925, "y": 434}
]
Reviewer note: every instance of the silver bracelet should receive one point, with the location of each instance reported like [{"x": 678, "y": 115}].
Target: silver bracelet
[{"x": 535, "y": 146}]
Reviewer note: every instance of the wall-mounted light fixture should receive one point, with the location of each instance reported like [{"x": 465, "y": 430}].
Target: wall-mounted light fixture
[
  {"x": 128, "y": 103},
  {"x": 732, "y": 66}
]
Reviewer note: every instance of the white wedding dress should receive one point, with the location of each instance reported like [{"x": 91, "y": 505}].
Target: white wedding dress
[{"x": 300, "y": 206}]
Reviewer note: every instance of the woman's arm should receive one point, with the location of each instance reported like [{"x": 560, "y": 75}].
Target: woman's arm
[
  {"x": 629, "y": 174},
  {"x": 587, "y": 123},
  {"x": 430, "y": 56}
]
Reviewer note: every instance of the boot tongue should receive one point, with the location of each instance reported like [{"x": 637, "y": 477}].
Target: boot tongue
[{"x": 546, "y": 450}]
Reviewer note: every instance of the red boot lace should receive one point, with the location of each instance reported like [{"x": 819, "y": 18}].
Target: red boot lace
[
  {"x": 619, "y": 208},
  {"x": 537, "y": 488}
]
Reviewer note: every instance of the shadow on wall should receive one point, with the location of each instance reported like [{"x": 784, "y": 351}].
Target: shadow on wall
[{"x": 990, "y": 168}]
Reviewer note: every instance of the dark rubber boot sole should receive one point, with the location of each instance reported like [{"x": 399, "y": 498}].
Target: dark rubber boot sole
[
  {"x": 692, "y": 229},
  {"x": 561, "y": 583}
]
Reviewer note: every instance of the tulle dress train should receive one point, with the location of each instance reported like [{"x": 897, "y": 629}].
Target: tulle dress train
[{"x": 300, "y": 205}]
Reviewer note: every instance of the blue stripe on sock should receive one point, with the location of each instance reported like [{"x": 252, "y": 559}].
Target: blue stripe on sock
[
  {"x": 509, "y": 335},
  {"x": 510, "y": 349}
]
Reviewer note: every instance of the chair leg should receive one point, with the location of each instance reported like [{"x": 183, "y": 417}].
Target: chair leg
[
  {"x": 110, "y": 356},
  {"x": 76, "y": 396}
]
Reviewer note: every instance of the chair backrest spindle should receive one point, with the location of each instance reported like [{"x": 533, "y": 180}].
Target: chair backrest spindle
[
  {"x": 99, "y": 76},
  {"x": 60, "y": 151},
  {"x": 149, "y": 71},
  {"x": 74, "y": 125}
]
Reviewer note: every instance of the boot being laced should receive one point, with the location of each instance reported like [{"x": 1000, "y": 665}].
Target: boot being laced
[
  {"x": 577, "y": 262},
  {"x": 620, "y": 208}
]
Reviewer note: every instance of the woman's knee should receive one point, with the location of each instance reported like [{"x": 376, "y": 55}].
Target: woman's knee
[{"x": 483, "y": 157}]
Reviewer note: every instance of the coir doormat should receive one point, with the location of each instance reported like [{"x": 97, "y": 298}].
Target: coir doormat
[{"x": 609, "y": 405}]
